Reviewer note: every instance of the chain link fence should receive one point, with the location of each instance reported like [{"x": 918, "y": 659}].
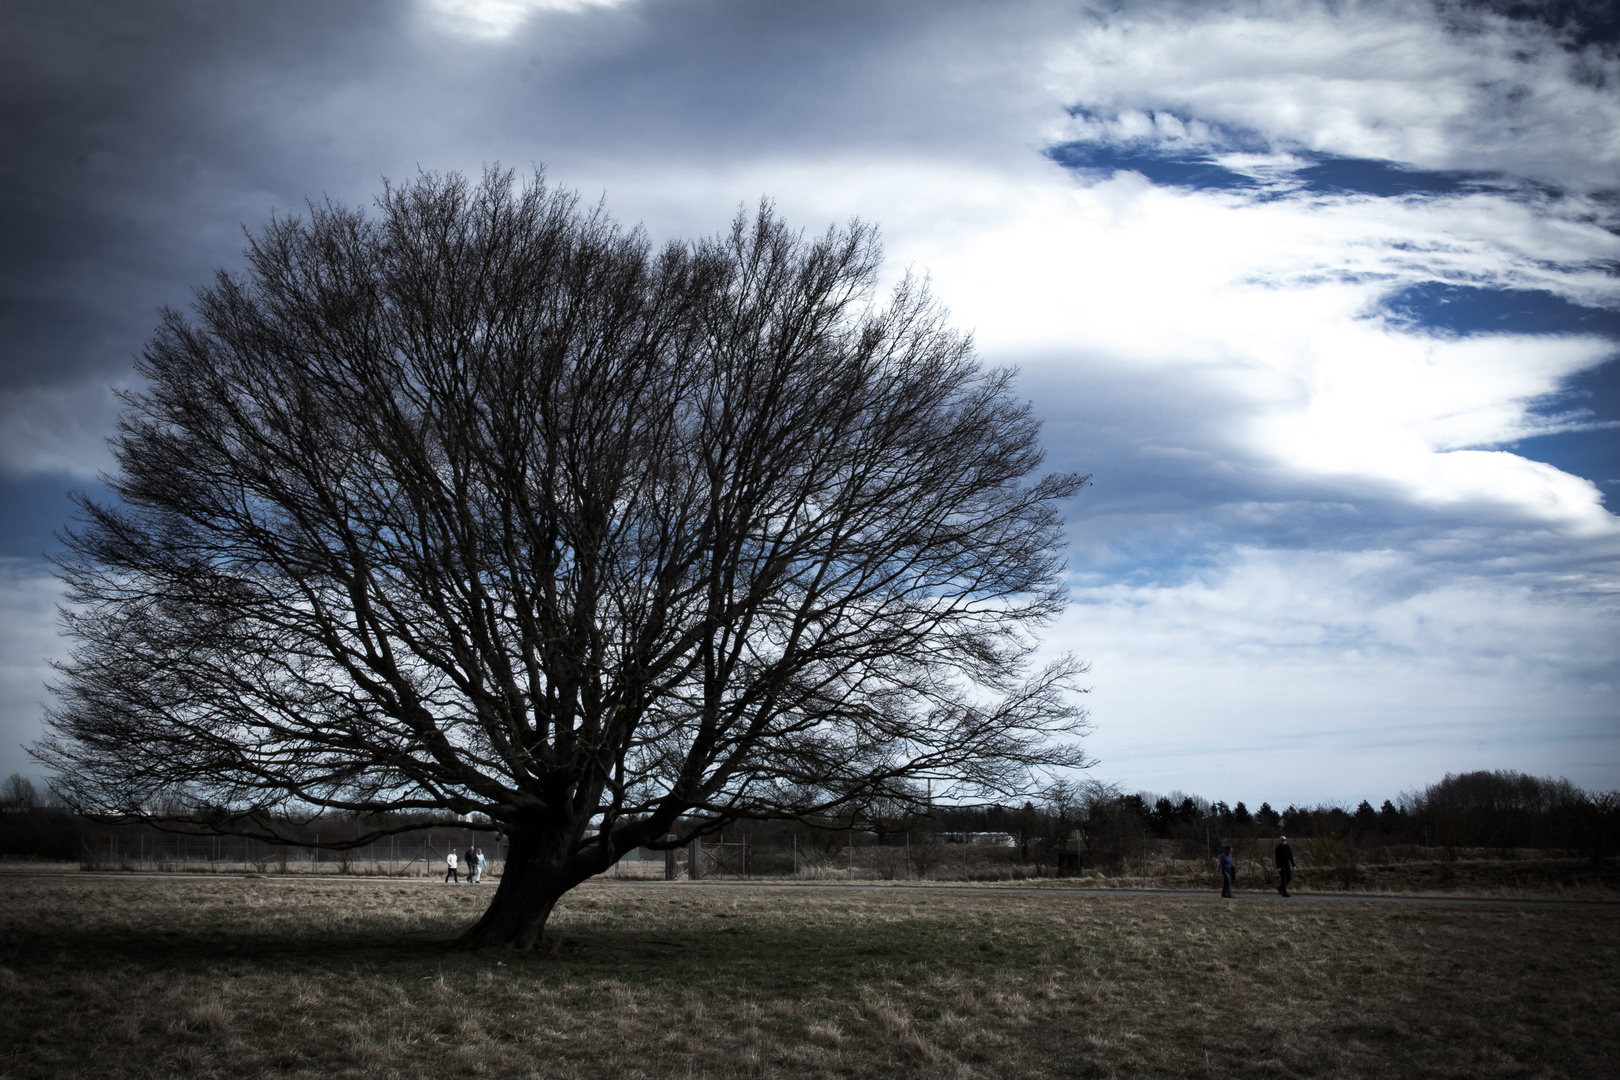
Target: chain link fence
[{"x": 409, "y": 855}]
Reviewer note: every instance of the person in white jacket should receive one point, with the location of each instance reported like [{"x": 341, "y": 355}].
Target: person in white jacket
[{"x": 450, "y": 874}]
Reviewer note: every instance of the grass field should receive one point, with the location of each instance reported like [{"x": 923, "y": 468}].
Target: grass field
[
  {"x": 1324, "y": 867},
  {"x": 143, "y": 976}
]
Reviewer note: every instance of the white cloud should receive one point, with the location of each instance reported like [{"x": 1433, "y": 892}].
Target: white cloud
[
  {"x": 499, "y": 18},
  {"x": 58, "y": 429},
  {"x": 1368, "y": 78},
  {"x": 1301, "y": 676},
  {"x": 1267, "y": 304}
]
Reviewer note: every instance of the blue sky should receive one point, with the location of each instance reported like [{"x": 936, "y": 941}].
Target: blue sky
[{"x": 1325, "y": 296}]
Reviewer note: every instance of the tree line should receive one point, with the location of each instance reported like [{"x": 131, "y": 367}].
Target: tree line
[
  {"x": 34, "y": 826},
  {"x": 1072, "y": 822},
  {"x": 1496, "y": 811},
  {"x": 1501, "y": 811}
]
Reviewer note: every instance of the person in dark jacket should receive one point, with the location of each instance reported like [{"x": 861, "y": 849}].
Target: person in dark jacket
[
  {"x": 1285, "y": 864},
  {"x": 1228, "y": 870}
]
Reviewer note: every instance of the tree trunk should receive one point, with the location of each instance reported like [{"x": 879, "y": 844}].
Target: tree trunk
[{"x": 538, "y": 872}]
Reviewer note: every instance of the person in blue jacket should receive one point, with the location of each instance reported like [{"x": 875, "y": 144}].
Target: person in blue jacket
[{"x": 1228, "y": 870}]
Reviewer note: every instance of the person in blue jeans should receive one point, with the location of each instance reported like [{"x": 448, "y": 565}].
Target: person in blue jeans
[{"x": 1228, "y": 870}]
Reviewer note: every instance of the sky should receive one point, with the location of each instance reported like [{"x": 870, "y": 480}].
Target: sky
[{"x": 1324, "y": 296}]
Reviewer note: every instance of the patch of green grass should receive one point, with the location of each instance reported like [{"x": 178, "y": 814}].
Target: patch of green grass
[{"x": 236, "y": 978}]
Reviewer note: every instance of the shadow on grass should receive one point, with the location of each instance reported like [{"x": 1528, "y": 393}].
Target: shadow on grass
[{"x": 767, "y": 959}]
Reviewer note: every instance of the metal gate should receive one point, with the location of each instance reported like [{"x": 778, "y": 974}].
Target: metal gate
[{"x": 713, "y": 860}]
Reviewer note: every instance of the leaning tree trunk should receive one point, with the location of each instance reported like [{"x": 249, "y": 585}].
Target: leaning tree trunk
[{"x": 539, "y": 870}]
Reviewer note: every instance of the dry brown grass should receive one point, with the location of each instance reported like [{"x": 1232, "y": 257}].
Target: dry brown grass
[{"x": 136, "y": 977}]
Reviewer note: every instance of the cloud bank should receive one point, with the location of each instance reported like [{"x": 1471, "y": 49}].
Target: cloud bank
[{"x": 1323, "y": 295}]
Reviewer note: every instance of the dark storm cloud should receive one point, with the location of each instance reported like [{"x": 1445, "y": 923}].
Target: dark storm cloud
[
  {"x": 698, "y": 79},
  {"x": 129, "y": 159},
  {"x": 136, "y": 139}
]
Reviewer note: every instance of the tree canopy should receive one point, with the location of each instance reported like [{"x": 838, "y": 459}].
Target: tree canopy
[{"x": 480, "y": 503}]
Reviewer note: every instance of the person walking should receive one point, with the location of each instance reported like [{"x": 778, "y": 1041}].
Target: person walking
[
  {"x": 1285, "y": 864},
  {"x": 450, "y": 864},
  {"x": 478, "y": 866},
  {"x": 1228, "y": 871},
  {"x": 472, "y": 865}
]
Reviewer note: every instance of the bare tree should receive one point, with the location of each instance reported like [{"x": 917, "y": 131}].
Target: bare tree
[
  {"x": 18, "y": 791},
  {"x": 480, "y": 504}
]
